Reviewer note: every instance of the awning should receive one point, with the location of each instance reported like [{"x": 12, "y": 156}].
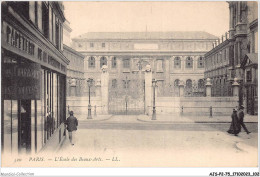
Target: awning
[{"x": 253, "y": 57}]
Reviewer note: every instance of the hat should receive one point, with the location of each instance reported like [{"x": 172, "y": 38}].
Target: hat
[
  {"x": 235, "y": 110},
  {"x": 242, "y": 106},
  {"x": 71, "y": 112}
]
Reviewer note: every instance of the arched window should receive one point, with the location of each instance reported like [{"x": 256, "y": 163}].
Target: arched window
[
  {"x": 200, "y": 62},
  {"x": 114, "y": 62},
  {"x": 114, "y": 83},
  {"x": 201, "y": 84},
  {"x": 189, "y": 83},
  {"x": 177, "y": 62},
  {"x": 91, "y": 62},
  {"x": 176, "y": 83},
  {"x": 189, "y": 62},
  {"x": 126, "y": 63},
  {"x": 103, "y": 61}
]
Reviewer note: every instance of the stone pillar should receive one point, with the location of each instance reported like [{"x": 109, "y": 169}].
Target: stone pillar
[
  {"x": 181, "y": 89},
  {"x": 73, "y": 87},
  {"x": 194, "y": 62},
  {"x": 208, "y": 88},
  {"x": 148, "y": 89},
  {"x": 235, "y": 87},
  {"x": 104, "y": 89}
]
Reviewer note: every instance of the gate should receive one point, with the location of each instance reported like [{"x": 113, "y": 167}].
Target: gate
[{"x": 126, "y": 94}]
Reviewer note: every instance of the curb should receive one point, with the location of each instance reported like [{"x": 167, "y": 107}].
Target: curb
[
  {"x": 199, "y": 122},
  {"x": 93, "y": 120}
]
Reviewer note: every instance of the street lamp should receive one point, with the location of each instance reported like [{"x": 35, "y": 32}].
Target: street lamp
[
  {"x": 154, "y": 111},
  {"x": 90, "y": 82}
]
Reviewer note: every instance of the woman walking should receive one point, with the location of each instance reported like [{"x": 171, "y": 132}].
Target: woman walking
[{"x": 235, "y": 126}]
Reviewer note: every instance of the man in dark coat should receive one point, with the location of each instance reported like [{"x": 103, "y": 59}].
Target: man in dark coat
[
  {"x": 241, "y": 118},
  {"x": 72, "y": 124}
]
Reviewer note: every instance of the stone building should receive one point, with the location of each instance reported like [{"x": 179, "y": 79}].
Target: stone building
[
  {"x": 174, "y": 57},
  {"x": 232, "y": 54},
  {"x": 33, "y": 76},
  {"x": 75, "y": 70}
]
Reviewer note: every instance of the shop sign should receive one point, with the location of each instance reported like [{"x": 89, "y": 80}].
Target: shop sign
[{"x": 21, "y": 81}]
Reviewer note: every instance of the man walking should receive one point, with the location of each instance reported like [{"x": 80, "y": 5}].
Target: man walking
[
  {"x": 72, "y": 124},
  {"x": 241, "y": 118}
]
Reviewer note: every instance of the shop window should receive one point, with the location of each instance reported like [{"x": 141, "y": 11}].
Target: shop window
[
  {"x": 91, "y": 62},
  {"x": 103, "y": 61},
  {"x": 200, "y": 62},
  {"x": 189, "y": 62},
  {"x": 114, "y": 62},
  {"x": 126, "y": 63},
  {"x": 177, "y": 62}
]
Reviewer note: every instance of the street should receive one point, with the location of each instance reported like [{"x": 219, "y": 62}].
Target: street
[{"x": 138, "y": 144}]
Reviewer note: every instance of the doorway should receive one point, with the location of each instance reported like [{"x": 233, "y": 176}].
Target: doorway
[{"x": 24, "y": 126}]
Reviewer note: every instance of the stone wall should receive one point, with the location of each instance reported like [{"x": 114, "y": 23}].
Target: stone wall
[{"x": 221, "y": 106}]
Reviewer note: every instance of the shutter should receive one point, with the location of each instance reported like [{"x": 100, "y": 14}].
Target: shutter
[
  {"x": 32, "y": 11},
  {"x": 39, "y": 15}
]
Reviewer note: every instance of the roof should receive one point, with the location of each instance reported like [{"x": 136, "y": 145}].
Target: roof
[
  {"x": 253, "y": 57},
  {"x": 147, "y": 35}
]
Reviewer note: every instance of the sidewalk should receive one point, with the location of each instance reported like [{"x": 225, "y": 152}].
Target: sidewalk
[{"x": 193, "y": 119}]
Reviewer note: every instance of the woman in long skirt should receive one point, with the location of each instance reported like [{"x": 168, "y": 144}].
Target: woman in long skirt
[{"x": 235, "y": 127}]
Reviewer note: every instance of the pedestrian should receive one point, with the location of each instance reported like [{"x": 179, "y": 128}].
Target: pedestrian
[
  {"x": 235, "y": 126},
  {"x": 241, "y": 118},
  {"x": 72, "y": 124}
]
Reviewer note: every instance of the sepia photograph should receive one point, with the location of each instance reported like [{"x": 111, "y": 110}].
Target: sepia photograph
[{"x": 130, "y": 84}]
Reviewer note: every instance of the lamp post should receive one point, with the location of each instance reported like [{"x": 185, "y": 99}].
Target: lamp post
[
  {"x": 90, "y": 82},
  {"x": 154, "y": 111}
]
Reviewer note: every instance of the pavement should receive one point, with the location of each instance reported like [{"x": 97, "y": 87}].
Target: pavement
[
  {"x": 193, "y": 119},
  {"x": 96, "y": 118}
]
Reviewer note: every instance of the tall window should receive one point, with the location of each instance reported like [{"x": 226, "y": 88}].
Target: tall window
[
  {"x": 103, "y": 61},
  {"x": 201, "y": 84},
  {"x": 126, "y": 63},
  {"x": 114, "y": 62},
  {"x": 176, "y": 83},
  {"x": 177, "y": 62},
  {"x": 91, "y": 62},
  {"x": 200, "y": 62},
  {"x": 114, "y": 83},
  {"x": 189, "y": 62},
  {"x": 45, "y": 20},
  {"x": 189, "y": 84}
]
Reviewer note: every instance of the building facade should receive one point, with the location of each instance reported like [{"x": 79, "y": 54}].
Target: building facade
[
  {"x": 174, "y": 58},
  {"x": 230, "y": 55},
  {"x": 33, "y": 96}
]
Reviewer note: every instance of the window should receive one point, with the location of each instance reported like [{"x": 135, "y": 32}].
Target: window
[
  {"x": 176, "y": 83},
  {"x": 45, "y": 20},
  {"x": 188, "y": 83},
  {"x": 248, "y": 76},
  {"x": 159, "y": 65},
  {"x": 177, "y": 62},
  {"x": 114, "y": 62},
  {"x": 201, "y": 84},
  {"x": 103, "y": 45},
  {"x": 200, "y": 62},
  {"x": 126, "y": 63},
  {"x": 189, "y": 62},
  {"x": 114, "y": 83},
  {"x": 91, "y": 45},
  {"x": 91, "y": 62},
  {"x": 103, "y": 61},
  {"x": 57, "y": 33}
]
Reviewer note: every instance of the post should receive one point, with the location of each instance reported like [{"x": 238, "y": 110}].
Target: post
[
  {"x": 148, "y": 89},
  {"x": 208, "y": 88},
  {"x": 210, "y": 111},
  {"x": 90, "y": 81},
  {"x": 104, "y": 88},
  {"x": 95, "y": 111},
  {"x": 235, "y": 86},
  {"x": 154, "y": 111}
]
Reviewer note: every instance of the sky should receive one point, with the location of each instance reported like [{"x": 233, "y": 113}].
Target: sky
[{"x": 84, "y": 16}]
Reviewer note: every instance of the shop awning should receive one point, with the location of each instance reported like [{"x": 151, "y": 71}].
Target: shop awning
[{"x": 253, "y": 60}]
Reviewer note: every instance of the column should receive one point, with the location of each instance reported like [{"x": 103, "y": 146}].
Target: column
[
  {"x": 148, "y": 89},
  {"x": 181, "y": 88},
  {"x": 208, "y": 88},
  {"x": 235, "y": 87},
  {"x": 109, "y": 62},
  {"x": 194, "y": 63},
  {"x": 98, "y": 63},
  {"x": 104, "y": 89}
]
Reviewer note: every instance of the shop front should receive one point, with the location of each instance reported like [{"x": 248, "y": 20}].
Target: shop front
[{"x": 33, "y": 96}]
